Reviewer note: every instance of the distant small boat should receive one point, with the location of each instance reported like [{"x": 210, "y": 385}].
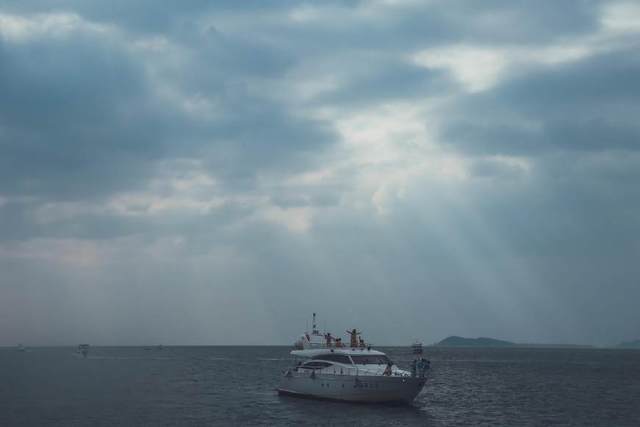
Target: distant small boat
[
  {"x": 83, "y": 349},
  {"x": 157, "y": 347},
  {"x": 22, "y": 348},
  {"x": 416, "y": 348}
]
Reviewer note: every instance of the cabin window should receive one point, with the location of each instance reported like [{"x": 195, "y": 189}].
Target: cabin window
[
  {"x": 362, "y": 359},
  {"x": 316, "y": 365},
  {"x": 339, "y": 358}
]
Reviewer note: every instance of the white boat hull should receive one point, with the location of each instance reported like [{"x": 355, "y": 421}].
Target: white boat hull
[{"x": 373, "y": 389}]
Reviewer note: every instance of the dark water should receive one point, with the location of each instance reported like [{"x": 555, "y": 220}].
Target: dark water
[{"x": 235, "y": 386}]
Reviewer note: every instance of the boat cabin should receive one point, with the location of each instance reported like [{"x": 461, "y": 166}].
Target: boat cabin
[
  {"x": 355, "y": 359},
  {"x": 318, "y": 359}
]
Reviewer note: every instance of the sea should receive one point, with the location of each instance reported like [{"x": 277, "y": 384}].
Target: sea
[{"x": 227, "y": 386}]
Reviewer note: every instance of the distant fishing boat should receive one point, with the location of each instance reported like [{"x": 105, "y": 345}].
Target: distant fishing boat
[
  {"x": 83, "y": 349},
  {"x": 22, "y": 348},
  {"x": 157, "y": 347}
]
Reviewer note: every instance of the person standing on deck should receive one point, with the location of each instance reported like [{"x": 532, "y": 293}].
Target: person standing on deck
[
  {"x": 354, "y": 337},
  {"x": 329, "y": 338}
]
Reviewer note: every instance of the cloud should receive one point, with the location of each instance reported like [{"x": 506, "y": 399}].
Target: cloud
[
  {"x": 69, "y": 115},
  {"x": 585, "y": 105},
  {"x": 198, "y": 169}
]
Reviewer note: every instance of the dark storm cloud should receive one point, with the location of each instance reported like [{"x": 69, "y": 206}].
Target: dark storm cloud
[
  {"x": 369, "y": 25},
  {"x": 544, "y": 21},
  {"x": 74, "y": 119},
  {"x": 568, "y": 134},
  {"x": 370, "y": 83},
  {"x": 259, "y": 135},
  {"x": 16, "y": 223},
  {"x": 583, "y": 88},
  {"x": 589, "y": 105},
  {"x": 143, "y": 16},
  {"x": 80, "y": 118}
]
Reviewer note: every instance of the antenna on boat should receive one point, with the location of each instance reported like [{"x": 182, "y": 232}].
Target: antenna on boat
[{"x": 315, "y": 329}]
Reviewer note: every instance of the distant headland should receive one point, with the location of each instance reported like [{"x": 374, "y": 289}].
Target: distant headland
[
  {"x": 455, "y": 341},
  {"x": 630, "y": 344}
]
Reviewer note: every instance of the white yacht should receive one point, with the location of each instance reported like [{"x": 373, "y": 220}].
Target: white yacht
[{"x": 353, "y": 373}]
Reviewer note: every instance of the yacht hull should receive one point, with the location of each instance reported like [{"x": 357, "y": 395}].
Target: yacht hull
[{"x": 371, "y": 389}]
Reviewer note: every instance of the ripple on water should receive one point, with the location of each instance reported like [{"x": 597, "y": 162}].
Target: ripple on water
[{"x": 235, "y": 385}]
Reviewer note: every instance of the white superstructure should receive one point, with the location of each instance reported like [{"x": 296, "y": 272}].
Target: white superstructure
[
  {"x": 354, "y": 373},
  {"x": 311, "y": 340}
]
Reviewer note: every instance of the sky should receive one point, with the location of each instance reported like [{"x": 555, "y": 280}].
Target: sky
[{"x": 214, "y": 172}]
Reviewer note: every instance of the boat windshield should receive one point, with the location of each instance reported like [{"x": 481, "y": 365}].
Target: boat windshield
[{"x": 370, "y": 359}]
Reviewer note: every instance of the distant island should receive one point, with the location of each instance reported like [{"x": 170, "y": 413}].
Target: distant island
[
  {"x": 455, "y": 341},
  {"x": 630, "y": 344}
]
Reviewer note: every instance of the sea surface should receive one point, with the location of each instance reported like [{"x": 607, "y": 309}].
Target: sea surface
[{"x": 236, "y": 386}]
